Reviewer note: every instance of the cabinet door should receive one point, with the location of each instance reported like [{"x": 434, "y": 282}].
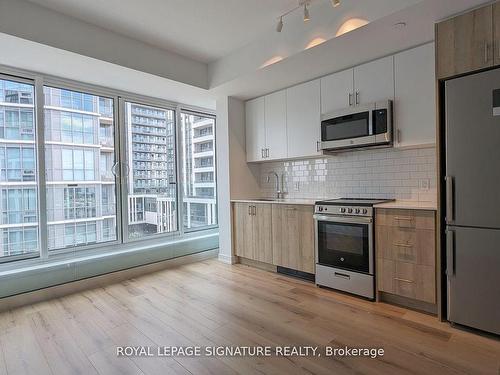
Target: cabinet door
[
  {"x": 303, "y": 119},
  {"x": 293, "y": 237},
  {"x": 337, "y": 91},
  {"x": 243, "y": 230},
  {"x": 262, "y": 233},
  {"x": 496, "y": 33},
  {"x": 275, "y": 120},
  {"x": 374, "y": 81},
  {"x": 464, "y": 43},
  {"x": 255, "y": 129},
  {"x": 415, "y": 99}
]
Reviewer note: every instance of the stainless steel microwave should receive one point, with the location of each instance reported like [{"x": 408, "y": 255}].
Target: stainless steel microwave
[{"x": 368, "y": 125}]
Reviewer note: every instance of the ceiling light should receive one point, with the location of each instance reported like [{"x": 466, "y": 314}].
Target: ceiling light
[
  {"x": 335, "y": 3},
  {"x": 279, "y": 26},
  {"x": 306, "y": 13}
]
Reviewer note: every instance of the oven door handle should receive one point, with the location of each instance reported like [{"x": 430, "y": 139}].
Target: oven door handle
[{"x": 344, "y": 219}]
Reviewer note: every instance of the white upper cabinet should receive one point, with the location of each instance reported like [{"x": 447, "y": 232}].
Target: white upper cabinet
[
  {"x": 415, "y": 103},
  {"x": 303, "y": 119},
  {"x": 337, "y": 91},
  {"x": 276, "y": 129},
  {"x": 374, "y": 81},
  {"x": 255, "y": 129}
]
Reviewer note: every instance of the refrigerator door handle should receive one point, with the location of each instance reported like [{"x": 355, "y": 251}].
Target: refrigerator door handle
[
  {"x": 449, "y": 199},
  {"x": 450, "y": 252}
]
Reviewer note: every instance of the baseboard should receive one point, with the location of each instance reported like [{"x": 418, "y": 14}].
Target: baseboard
[
  {"x": 228, "y": 259},
  {"x": 61, "y": 290},
  {"x": 427, "y": 307}
]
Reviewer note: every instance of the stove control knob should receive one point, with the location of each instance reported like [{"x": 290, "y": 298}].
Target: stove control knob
[
  {"x": 320, "y": 208},
  {"x": 342, "y": 210},
  {"x": 349, "y": 210},
  {"x": 357, "y": 210},
  {"x": 365, "y": 211}
]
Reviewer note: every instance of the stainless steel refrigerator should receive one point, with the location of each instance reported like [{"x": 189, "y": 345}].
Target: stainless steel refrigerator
[{"x": 473, "y": 200}]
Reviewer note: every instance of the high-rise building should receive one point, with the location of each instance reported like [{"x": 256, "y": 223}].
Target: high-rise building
[
  {"x": 152, "y": 204},
  {"x": 200, "y": 202},
  {"x": 18, "y": 187},
  {"x": 79, "y": 158}
]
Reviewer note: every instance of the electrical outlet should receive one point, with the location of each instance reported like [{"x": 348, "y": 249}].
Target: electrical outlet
[
  {"x": 425, "y": 184},
  {"x": 296, "y": 186}
]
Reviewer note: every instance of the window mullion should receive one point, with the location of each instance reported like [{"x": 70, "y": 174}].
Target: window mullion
[{"x": 42, "y": 188}]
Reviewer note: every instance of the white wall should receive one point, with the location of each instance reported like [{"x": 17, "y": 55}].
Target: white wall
[
  {"x": 24, "y": 54},
  {"x": 33, "y": 22},
  {"x": 235, "y": 178}
]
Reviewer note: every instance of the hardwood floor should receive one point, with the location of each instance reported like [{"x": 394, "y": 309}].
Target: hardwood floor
[{"x": 211, "y": 304}]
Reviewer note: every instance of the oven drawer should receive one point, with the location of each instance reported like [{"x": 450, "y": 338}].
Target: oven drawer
[
  {"x": 410, "y": 219},
  {"x": 347, "y": 281}
]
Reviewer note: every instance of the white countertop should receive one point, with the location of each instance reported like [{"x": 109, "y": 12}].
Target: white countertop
[
  {"x": 305, "y": 202},
  {"x": 408, "y": 205}
]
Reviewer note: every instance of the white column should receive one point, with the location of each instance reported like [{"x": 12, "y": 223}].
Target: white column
[{"x": 235, "y": 178}]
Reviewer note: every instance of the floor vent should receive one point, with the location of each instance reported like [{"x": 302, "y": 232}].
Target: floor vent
[{"x": 294, "y": 273}]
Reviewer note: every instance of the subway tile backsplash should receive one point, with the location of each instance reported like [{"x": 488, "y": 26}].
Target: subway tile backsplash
[{"x": 384, "y": 173}]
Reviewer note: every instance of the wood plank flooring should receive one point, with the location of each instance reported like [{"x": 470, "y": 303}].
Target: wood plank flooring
[{"x": 211, "y": 304}]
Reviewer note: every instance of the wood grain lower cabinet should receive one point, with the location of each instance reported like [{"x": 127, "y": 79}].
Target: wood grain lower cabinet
[
  {"x": 252, "y": 231},
  {"x": 406, "y": 253},
  {"x": 293, "y": 237}
]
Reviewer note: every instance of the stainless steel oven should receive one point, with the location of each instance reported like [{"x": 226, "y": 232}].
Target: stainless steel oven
[
  {"x": 344, "y": 242},
  {"x": 368, "y": 125}
]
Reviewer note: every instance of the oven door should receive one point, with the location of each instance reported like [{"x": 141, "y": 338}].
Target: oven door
[{"x": 345, "y": 242}]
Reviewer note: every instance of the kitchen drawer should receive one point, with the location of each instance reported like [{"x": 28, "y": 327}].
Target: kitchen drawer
[
  {"x": 410, "y": 245},
  {"x": 407, "y": 280},
  {"x": 416, "y": 219}
]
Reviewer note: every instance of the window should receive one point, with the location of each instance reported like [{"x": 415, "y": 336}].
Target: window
[
  {"x": 18, "y": 186},
  {"x": 199, "y": 187},
  {"x": 80, "y": 182},
  {"x": 152, "y": 198},
  {"x": 90, "y": 196}
]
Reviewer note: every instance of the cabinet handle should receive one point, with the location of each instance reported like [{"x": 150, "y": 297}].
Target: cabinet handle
[
  {"x": 357, "y": 97},
  {"x": 267, "y": 152},
  {"x": 403, "y": 218},
  {"x": 290, "y": 208},
  {"x": 403, "y": 280},
  {"x": 402, "y": 244},
  {"x": 318, "y": 149},
  {"x": 262, "y": 153},
  {"x": 398, "y": 136},
  {"x": 485, "y": 51},
  {"x": 254, "y": 210},
  {"x": 349, "y": 99}
]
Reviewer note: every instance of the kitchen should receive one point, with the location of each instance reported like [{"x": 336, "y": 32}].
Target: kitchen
[
  {"x": 249, "y": 187},
  {"x": 353, "y": 194}
]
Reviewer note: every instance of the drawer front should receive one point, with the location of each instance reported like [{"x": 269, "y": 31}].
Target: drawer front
[
  {"x": 416, "y": 246},
  {"x": 416, "y": 219}
]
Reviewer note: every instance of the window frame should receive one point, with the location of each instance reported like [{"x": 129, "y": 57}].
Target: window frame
[
  {"x": 39, "y": 80},
  {"x": 194, "y": 112}
]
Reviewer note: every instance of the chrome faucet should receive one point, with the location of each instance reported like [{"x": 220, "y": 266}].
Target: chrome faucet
[{"x": 279, "y": 193}]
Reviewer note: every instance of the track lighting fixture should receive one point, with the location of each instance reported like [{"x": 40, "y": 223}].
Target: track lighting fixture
[
  {"x": 302, "y": 4},
  {"x": 335, "y": 3},
  {"x": 306, "y": 13},
  {"x": 279, "y": 26}
]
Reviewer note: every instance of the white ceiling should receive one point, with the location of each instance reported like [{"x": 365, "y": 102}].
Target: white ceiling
[{"x": 204, "y": 30}]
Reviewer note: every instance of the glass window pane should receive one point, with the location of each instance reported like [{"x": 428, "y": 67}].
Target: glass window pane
[
  {"x": 80, "y": 186},
  {"x": 18, "y": 185},
  {"x": 152, "y": 199},
  {"x": 200, "y": 188}
]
